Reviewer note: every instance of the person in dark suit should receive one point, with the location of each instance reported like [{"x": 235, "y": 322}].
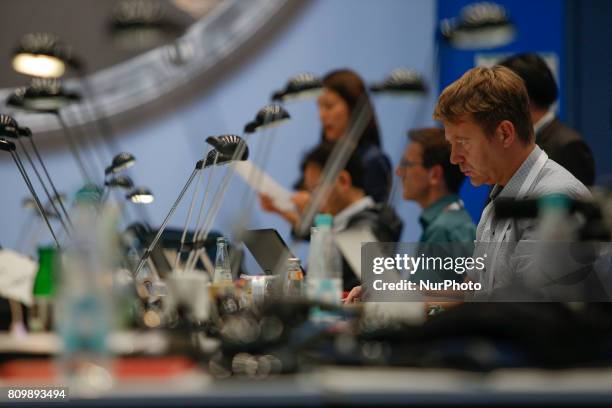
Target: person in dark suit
[{"x": 562, "y": 144}]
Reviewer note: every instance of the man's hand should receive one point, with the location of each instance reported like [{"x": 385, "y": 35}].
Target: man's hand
[
  {"x": 267, "y": 204},
  {"x": 301, "y": 199},
  {"x": 354, "y": 295}
]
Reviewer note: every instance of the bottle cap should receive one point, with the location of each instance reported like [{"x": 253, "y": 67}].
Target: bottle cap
[
  {"x": 554, "y": 202},
  {"x": 322, "y": 220},
  {"x": 293, "y": 262}
]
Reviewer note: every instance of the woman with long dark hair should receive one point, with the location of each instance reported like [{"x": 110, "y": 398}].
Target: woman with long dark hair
[{"x": 344, "y": 92}]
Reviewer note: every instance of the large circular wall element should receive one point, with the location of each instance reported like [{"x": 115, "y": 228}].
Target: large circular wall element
[{"x": 126, "y": 91}]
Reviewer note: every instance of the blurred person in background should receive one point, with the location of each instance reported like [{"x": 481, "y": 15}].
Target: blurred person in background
[
  {"x": 562, "y": 144},
  {"x": 433, "y": 182},
  {"x": 348, "y": 202},
  {"x": 343, "y": 92}
]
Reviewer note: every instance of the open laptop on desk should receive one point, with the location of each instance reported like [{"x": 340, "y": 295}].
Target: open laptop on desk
[{"x": 268, "y": 248}]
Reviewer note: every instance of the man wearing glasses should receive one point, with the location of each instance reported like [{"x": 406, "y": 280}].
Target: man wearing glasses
[{"x": 433, "y": 182}]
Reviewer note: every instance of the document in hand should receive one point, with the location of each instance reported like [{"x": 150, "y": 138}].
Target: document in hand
[{"x": 263, "y": 183}]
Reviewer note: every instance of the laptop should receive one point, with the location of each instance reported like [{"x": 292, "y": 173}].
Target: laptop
[{"x": 268, "y": 248}]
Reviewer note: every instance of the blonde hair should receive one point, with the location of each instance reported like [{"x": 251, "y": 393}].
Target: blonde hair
[{"x": 489, "y": 96}]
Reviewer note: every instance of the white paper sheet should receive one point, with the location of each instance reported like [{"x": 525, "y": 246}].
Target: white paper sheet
[
  {"x": 17, "y": 273},
  {"x": 263, "y": 183}
]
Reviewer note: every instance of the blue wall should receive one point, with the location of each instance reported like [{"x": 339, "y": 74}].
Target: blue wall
[
  {"x": 372, "y": 37},
  {"x": 590, "y": 109},
  {"x": 539, "y": 28}
]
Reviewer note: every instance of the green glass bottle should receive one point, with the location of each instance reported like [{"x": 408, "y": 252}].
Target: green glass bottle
[
  {"x": 39, "y": 316},
  {"x": 44, "y": 281}
]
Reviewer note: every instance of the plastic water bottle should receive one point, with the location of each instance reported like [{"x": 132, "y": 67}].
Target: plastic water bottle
[
  {"x": 84, "y": 302},
  {"x": 324, "y": 280},
  {"x": 554, "y": 222},
  {"x": 294, "y": 285},
  {"x": 223, "y": 270}
]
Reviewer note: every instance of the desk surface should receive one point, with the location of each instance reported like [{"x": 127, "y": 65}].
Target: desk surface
[{"x": 336, "y": 385}]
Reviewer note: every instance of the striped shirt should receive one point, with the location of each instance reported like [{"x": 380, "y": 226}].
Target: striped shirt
[{"x": 538, "y": 176}]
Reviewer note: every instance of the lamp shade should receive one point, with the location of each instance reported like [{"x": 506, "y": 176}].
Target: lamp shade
[
  {"x": 401, "y": 80},
  {"x": 479, "y": 26},
  {"x": 24, "y": 131},
  {"x": 8, "y": 126},
  {"x": 29, "y": 204},
  {"x": 120, "y": 162},
  {"x": 140, "y": 195},
  {"x": 268, "y": 116},
  {"x": 215, "y": 157},
  {"x": 141, "y": 24},
  {"x": 43, "y": 95},
  {"x": 301, "y": 86},
  {"x": 124, "y": 182},
  {"x": 225, "y": 144},
  {"x": 228, "y": 145},
  {"x": 6, "y": 145},
  {"x": 42, "y": 55}
]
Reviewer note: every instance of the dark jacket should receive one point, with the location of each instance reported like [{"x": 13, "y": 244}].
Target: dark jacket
[
  {"x": 377, "y": 173},
  {"x": 568, "y": 148}
]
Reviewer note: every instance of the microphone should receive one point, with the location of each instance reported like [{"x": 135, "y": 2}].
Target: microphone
[{"x": 8, "y": 127}]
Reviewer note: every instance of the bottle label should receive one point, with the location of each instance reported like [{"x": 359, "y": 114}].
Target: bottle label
[{"x": 327, "y": 291}]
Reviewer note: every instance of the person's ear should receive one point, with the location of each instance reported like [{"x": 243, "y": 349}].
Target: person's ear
[
  {"x": 436, "y": 175},
  {"x": 344, "y": 179},
  {"x": 506, "y": 133}
]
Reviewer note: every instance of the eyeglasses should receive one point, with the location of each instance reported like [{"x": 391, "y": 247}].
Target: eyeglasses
[{"x": 406, "y": 164}]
